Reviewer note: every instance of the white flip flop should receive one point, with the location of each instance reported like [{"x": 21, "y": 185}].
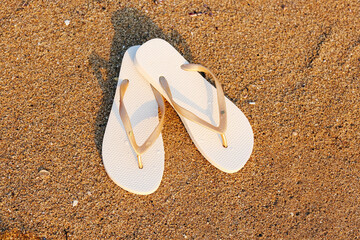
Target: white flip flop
[
  {"x": 132, "y": 120},
  {"x": 198, "y": 104}
]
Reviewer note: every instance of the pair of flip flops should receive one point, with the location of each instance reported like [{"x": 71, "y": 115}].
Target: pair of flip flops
[{"x": 133, "y": 152}]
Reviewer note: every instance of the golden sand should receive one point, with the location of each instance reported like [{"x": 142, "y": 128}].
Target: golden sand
[{"x": 293, "y": 68}]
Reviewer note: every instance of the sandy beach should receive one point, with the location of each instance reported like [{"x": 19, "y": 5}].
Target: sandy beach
[{"x": 292, "y": 67}]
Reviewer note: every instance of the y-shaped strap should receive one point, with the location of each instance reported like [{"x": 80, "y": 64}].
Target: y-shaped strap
[
  {"x": 127, "y": 125},
  {"x": 221, "y": 128}
]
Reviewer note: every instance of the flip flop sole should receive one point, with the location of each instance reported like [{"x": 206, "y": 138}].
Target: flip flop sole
[
  {"x": 119, "y": 158},
  {"x": 157, "y": 58}
]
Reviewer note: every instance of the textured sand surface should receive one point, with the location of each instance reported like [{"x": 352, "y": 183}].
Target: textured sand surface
[{"x": 298, "y": 61}]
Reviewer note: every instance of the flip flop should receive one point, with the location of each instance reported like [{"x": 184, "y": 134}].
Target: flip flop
[
  {"x": 134, "y": 121},
  {"x": 219, "y": 129}
]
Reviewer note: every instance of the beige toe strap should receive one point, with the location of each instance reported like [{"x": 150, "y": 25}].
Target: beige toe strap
[
  {"x": 127, "y": 124},
  {"x": 221, "y": 128}
]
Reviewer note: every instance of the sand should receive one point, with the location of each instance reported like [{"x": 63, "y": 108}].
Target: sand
[{"x": 293, "y": 68}]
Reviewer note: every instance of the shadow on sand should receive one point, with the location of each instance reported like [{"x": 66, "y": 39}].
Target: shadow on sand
[{"x": 131, "y": 28}]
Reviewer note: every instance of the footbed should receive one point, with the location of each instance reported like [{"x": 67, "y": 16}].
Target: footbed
[
  {"x": 157, "y": 58},
  {"x": 119, "y": 158}
]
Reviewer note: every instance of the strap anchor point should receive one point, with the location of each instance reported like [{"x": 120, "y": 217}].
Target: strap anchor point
[
  {"x": 224, "y": 141},
  {"x": 139, "y": 161}
]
